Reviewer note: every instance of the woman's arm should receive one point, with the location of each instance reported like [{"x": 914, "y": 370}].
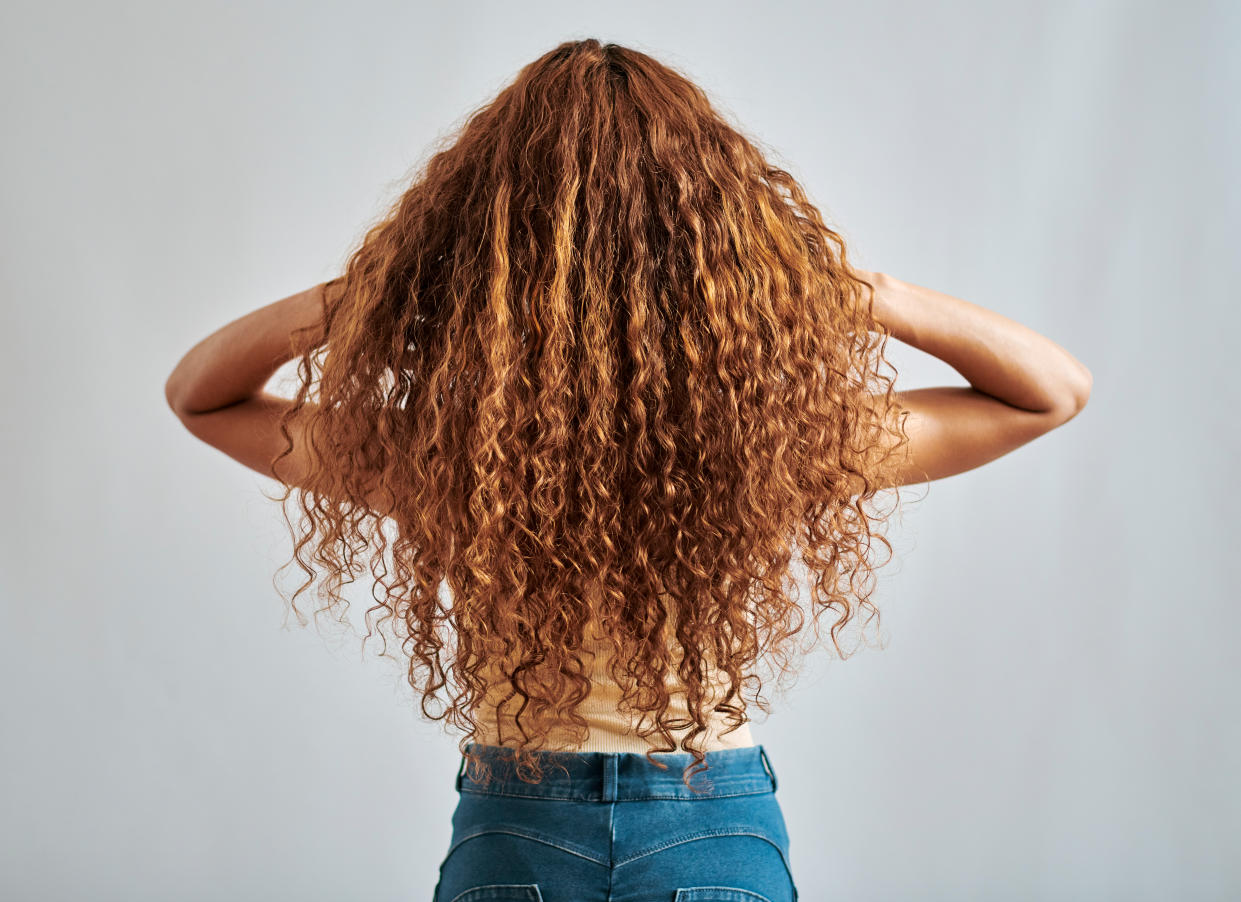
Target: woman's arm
[
  {"x": 217, "y": 390},
  {"x": 233, "y": 363},
  {"x": 997, "y": 356},
  {"x": 1022, "y": 384}
]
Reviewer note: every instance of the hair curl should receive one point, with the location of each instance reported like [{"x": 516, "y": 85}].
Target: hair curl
[{"x": 612, "y": 368}]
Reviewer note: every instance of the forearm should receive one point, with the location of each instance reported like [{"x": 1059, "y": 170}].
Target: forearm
[
  {"x": 236, "y": 361},
  {"x": 995, "y": 354}
]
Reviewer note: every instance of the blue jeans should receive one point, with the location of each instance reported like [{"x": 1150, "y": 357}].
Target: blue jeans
[{"x": 612, "y": 827}]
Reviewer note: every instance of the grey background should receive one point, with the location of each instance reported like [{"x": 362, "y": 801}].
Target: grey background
[{"x": 1055, "y": 712}]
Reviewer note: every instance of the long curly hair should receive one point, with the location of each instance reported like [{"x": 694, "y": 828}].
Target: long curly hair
[{"x": 613, "y": 372}]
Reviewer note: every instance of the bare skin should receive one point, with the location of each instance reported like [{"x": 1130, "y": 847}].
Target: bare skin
[
  {"x": 1022, "y": 385},
  {"x": 217, "y": 389}
]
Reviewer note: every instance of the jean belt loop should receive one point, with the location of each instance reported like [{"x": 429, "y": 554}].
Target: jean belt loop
[
  {"x": 771, "y": 771},
  {"x": 608, "y": 790}
]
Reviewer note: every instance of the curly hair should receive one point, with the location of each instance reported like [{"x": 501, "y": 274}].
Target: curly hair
[{"x": 614, "y": 372}]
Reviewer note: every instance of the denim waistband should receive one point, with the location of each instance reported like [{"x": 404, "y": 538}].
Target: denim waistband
[{"x": 622, "y": 776}]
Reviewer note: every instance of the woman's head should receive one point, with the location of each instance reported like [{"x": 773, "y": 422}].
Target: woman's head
[{"x": 613, "y": 368}]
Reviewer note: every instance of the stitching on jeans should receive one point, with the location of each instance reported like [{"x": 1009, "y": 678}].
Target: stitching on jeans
[
  {"x": 719, "y": 892},
  {"x": 757, "y": 784},
  {"x": 530, "y": 835},
  {"x": 641, "y": 798},
  {"x": 698, "y": 834},
  {"x": 532, "y": 891},
  {"x": 707, "y": 834},
  {"x": 611, "y": 845}
]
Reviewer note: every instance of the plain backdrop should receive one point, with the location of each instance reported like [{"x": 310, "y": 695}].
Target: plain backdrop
[{"x": 1053, "y": 713}]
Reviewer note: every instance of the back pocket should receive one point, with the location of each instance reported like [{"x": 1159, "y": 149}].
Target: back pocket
[
  {"x": 501, "y": 892},
  {"x": 717, "y": 894}
]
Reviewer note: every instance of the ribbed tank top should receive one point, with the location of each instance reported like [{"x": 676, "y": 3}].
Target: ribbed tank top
[{"x": 610, "y": 729}]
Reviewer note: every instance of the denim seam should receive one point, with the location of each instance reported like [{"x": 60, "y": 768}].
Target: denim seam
[
  {"x": 749, "y": 779},
  {"x": 611, "y": 846},
  {"x": 641, "y": 798},
  {"x": 733, "y": 892},
  {"x": 707, "y": 834},
  {"x": 533, "y": 837},
  {"x": 526, "y": 886}
]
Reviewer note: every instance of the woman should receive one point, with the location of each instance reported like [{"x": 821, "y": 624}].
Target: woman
[{"x": 605, "y": 370}]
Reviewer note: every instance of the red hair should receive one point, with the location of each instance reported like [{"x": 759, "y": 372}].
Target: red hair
[{"x": 614, "y": 369}]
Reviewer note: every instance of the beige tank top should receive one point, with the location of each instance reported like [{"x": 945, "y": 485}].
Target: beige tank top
[{"x": 610, "y": 729}]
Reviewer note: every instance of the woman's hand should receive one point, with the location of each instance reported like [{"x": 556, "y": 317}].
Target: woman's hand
[{"x": 883, "y": 310}]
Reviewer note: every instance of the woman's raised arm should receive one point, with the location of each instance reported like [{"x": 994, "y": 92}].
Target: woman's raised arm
[{"x": 1022, "y": 384}]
